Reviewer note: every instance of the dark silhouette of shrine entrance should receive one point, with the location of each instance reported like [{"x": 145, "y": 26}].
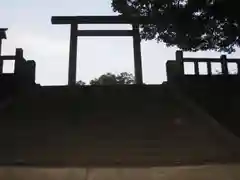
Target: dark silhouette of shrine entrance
[
  {"x": 173, "y": 124},
  {"x": 75, "y": 20}
]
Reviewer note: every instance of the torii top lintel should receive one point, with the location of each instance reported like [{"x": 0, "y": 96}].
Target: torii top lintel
[{"x": 100, "y": 20}]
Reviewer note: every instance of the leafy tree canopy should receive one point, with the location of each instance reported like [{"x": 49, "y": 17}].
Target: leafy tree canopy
[
  {"x": 190, "y": 25},
  {"x": 112, "y": 79},
  {"x": 81, "y": 83}
]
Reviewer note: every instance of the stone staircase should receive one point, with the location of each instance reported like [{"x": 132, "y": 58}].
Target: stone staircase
[{"x": 111, "y": 126}]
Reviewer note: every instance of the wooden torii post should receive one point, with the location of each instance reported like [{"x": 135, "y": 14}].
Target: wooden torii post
[{"x": 75, "y": 20}]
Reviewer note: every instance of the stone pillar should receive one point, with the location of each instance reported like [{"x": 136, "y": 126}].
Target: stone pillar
[
  {"x": 2, "y": 36},
  {"x": 30, "y": 71},
  {"x": 19, "y": 60},
  {"x": 209, "y": 68},
  {"x": 179, "y": 60},
  {"x": 196, "y": 67},
  {"x": 224, "y": 65}
]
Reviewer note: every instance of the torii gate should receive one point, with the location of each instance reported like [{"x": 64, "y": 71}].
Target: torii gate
[{"x": 75, "y": 20}]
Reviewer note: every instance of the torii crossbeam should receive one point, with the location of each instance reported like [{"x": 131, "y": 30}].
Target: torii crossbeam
[{"x": 75, "y": 20}]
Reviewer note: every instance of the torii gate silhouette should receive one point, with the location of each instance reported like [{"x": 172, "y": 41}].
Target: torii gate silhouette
[{"x": 75, "y": 20}]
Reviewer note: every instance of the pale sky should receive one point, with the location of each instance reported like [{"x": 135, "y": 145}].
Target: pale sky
[{"x": 30, "y": 28}]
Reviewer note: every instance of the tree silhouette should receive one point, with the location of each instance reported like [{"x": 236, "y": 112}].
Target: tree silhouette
[
  {"x": 81, "y": 83},
  {"x": 112, "y": 79},
  {"x": 190, "y": 25}
]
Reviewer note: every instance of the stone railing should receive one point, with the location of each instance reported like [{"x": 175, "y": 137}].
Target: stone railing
[{"x": 176, "y": 70}]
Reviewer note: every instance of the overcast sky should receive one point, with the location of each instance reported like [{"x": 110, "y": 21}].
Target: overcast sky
[{"x": 30, "y": 28}]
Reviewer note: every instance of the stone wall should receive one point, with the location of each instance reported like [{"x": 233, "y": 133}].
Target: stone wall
[
  {"x": 217, "y": 94},
  {"x": 110, "y": 126}
]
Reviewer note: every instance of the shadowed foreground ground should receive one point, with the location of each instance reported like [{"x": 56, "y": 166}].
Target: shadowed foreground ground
[
  {"x": 213, "y": 172},
  {"x": 111, "y": 126},
  {"x": 68, "y": 130}
]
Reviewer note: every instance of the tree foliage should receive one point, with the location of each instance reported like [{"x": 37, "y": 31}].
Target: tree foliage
[
  {"x": 111, "y": 79},
  {"x": 190, "y": 25},
  {"x": 81, "y": 83}
]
